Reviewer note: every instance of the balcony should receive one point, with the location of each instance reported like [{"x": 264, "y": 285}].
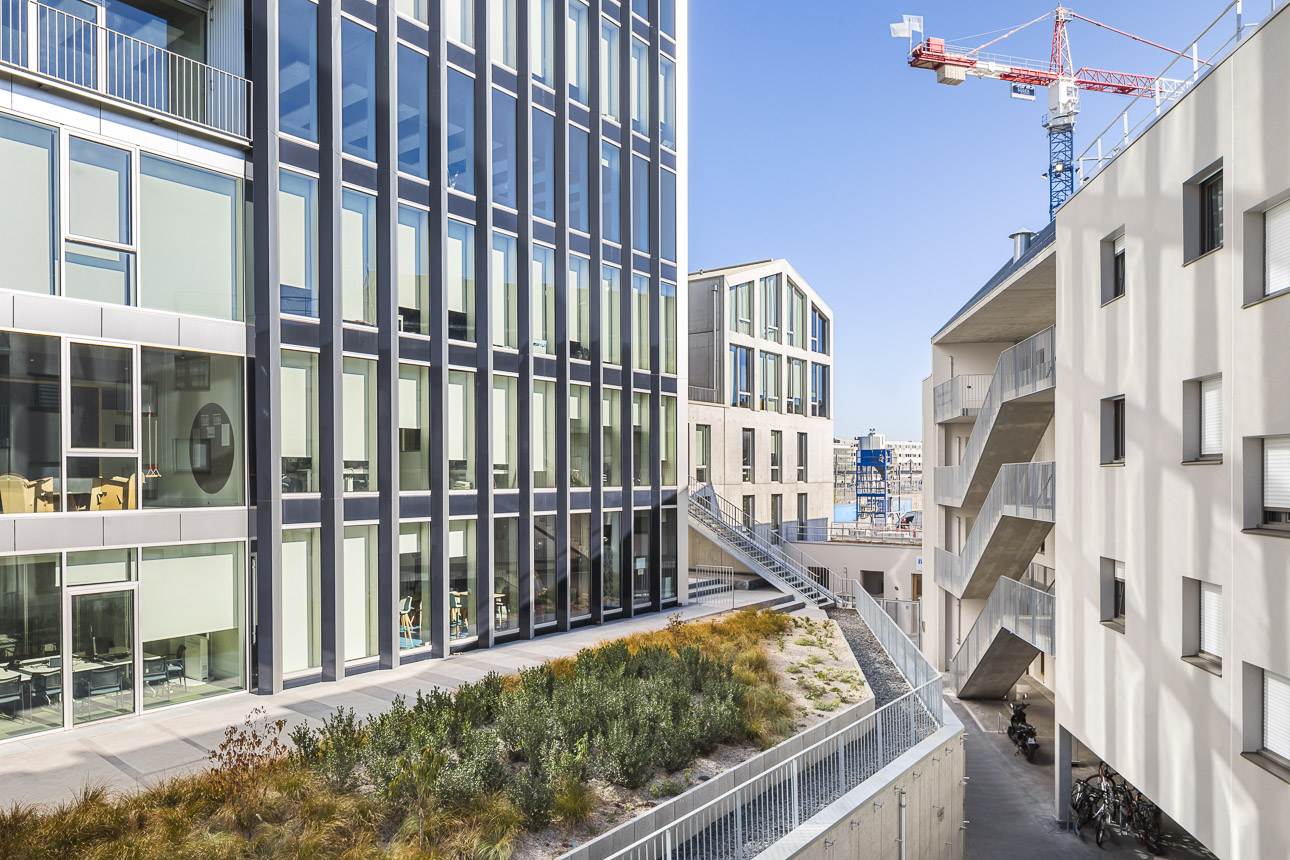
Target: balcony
[
  {"x": 71, "y": 52},
  {"x": 960, "y": 398}
]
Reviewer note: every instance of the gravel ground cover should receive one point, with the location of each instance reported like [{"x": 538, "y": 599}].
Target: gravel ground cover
[{"x": 884, "y": 678}]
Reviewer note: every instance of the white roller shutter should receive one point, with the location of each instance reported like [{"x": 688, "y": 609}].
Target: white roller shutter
[
  {"x": 1211, "y": 619},
  {"x": 1211, "y": 415},
  {"x": 1276, "y": 472},
  {"x": 1276, "y": 714},
  {"x": 1119, "y": 570},
  {"x": 1276, "y": 249},
  {"x": 1119, "y": 244}
]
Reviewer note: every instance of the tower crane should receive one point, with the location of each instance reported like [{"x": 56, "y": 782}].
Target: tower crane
[{"x": 954, "y": 64}]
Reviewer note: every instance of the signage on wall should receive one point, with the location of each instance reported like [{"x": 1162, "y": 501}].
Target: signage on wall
[
  {"x": 1024, "y": 91},
  {"x": 920, "y": 562}
]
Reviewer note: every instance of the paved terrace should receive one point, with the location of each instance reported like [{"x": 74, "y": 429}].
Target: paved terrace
[{"x": 138, "y": 751}]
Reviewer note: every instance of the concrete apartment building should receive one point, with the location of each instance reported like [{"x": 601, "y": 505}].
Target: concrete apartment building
[
  {"x": 1167, "y": 278},
  {"x": 413, "y": 390},
  {"x": 761, "y": 392}
]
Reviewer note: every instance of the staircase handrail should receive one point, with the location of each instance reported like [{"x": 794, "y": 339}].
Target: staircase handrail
[{"x": 1005, "y": 610}]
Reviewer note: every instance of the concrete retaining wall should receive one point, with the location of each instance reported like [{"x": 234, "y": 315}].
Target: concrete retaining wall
[
  {"x": 855, "y": 827},
  {"x": 664, "y": 814}
]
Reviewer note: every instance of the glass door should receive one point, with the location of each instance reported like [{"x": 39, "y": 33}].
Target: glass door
[{"x": 102, "y": 672}]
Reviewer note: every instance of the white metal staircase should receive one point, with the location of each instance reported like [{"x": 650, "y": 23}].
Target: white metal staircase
[
  {"x": 1014, "y": 626},
  {"x": 779, "y": 564}
]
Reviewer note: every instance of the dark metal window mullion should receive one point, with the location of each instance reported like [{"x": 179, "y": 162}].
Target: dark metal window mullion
[
  {"x": 562, "y": 299},
  {"x": 627, "y": 552},
  {"x": 524, "y": 416},
  {"x": 595, "y": 433}
]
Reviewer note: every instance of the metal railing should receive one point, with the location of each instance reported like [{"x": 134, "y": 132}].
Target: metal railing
[
  {"x": 1026, "y": 368},
  {"x": 748, "y": 819},
  {"x": 782, "y": 564},
  {"x": 959, "y": 397},
  {"x": 847, "y": 533},
  {"x": 1206, "y": 51},
  {"x": 1025, "y": 612},
  {"x": 907, "y": 656},
  {"x": 1022, "y": 490},
  {"x": 704, "y": 395},
  {"x": 712, "y": 585},
  {"x": 54, "y": 44},
  {"x": 908, "y": 615}
]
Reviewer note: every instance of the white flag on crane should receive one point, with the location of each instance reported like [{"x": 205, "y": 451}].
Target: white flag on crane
[
  {"x": 900, "y": 31},
  {"x": 914, "y": 23}
]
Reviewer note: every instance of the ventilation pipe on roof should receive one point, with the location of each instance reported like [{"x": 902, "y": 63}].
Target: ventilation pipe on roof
[{"x": 1020, "y": 243}]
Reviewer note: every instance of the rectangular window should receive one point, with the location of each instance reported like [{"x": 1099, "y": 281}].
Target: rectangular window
[
  {"x": 1276, "y": 716},
  {"x": 1118, "y": 274},
  {"x": 358, "y": 428},
  {"x": 579, "y": 301},
  {"x": 776, "y": 455},
  {"x": 1276, "y": 481},
  {"x": 579, "y": 180},
  {"x": 667, "y": 319},
  {"x": 501, "y": 35},
  {"x": 358, "y": 257},
  {"x": 298, "y": 397},
  {"x": 459, "y": 18},
  {"x": 544, "y": 566},
  {"x": 640, "y": 87},
  {"x": 1211, "y": 213},
  {"x": 641, "y": 8},
  {"x": 505, "y": 188},
  {"x": 640, "y": 205},
  {"x": 741, "y": 371},
  {"x": 611, "y": 560},
  {"x": 667, "y": 17},
  {"x": 741, "y": 309},
  {"x": 417, "y": 10},
  {"x": 576, "y": 49},
  {"x": 611, "y": 316},
  {"x": 640, "y": 322},
  {"x": 29, "y": 220},
  {"x": 358, "y": 89},
  {"x": 505, "y": 292},
  {"x": 1276, "y": 249},
  {"x": 802, "y": 518},
  {"x": 461, "y": 132},
  {"x": 461, "y": 281},
  {"x": 190, "y": 265},
  {"x": 609, "y": 90},
  {"x": 667, "y": 212},
  {"x": 1118, "y": 592},
  {"x": 543, "y": 309},
  {"x": 31, "y": 391},
  {"x": 1113, "y": 439},
  {"x": 667, "y": 102},
  {"x": 641, "y": 542},
  {"x": 543, "y": 165},
  {"x": 819, "y": 332},
  {"x": 802, "y": 456},
  {"x": 796, "y": 315},
  {"x": 1211, "y": 417},
  {"x": 1211, "y": 620},
  {"x": 667, "y": 452},
  {"x": 580, "y": 565},
  {"x": 461, "y": 430},
  {"x": 820, "y": 390},
  {"x": 611, "y": 417},
  {"x": 99, "y": 204},
  {"x": 770, "y": 307},
  {"x": 640, "y": 438},
  {"x": 776, "y": 515},
  {"x": 544, "y": 438},
  {"x": 668, "y": 553},
  {"x": 542, "y": 40},
  {"x": 770, "y": 375},
  {"x": 749, "y": 512},
  {"x": 580, "y": 470},
  {"x": 609, "y": 192},
  {"x": 414, "y": 584},
  {"x": 749, "y": 454},
  {"x": 301, "y": 600},
  {"x": 506, "y": 432},
  {"x": 463, "y": 577},
  {"x": 796, "y": 400},
  {"x": 414, "y": 439},
  {"x": 298, "y": 68},
  {"x": 702, "y": 453},
  {"x": 506, "y": 574},
  {"x": 413, "y": 255}
]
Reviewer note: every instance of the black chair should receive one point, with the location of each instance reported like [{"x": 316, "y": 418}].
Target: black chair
[
  {"x": 49, "y": 685},
  {"x": 105, "y": 681},
  {"x": 155, "y": 672},
  {"x": 177, "y": 668},
  {"x": 11, "y": 696}
]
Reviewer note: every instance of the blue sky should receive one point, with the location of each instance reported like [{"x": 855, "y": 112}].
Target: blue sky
[{"x": 812, "y": 139}]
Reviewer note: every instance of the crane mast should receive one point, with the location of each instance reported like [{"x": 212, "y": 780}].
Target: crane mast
[{"x": 1058, "y": 76}]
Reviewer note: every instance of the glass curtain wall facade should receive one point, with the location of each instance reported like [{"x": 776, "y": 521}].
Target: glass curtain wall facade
[{"x": 387, "y": 357}]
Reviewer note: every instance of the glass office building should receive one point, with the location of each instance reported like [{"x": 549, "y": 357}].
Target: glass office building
[{"x": 301, "y": 356}]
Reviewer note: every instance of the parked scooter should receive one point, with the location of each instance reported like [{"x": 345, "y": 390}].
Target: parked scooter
[{"x": 1022, "y": 733}]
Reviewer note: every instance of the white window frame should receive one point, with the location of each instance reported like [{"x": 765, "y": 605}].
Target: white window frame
[
  {"x": 1211, "y": 621},
  {"x": 1211, "y": 417}
]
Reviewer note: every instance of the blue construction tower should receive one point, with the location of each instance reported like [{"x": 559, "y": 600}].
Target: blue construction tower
[{"x": 873, "y": 497}]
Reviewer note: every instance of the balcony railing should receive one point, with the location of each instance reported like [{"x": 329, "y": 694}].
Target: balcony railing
[
  {"x": 1021, "y": 490},
  {"x": 850, "y": 533},
  {"x": 1025, "y": 612},
  {"x": 960, "y": 397},
  {"x": 52, "y": 44},
  {"x": 704, "y": 395},
  {"x": 1026, "y": 368}
]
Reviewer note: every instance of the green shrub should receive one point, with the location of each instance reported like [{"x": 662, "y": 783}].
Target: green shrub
[
  {"x": 626, "y": 752},
  {"x": 533, "y": 795},
  {"x": 473, "y": 769}
]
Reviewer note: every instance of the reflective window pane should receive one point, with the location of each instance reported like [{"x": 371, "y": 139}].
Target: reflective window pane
[
  {"x": 640, "y": 322},
  {"x": 667, "y": 320},
  {"x": 542, "y": 40},
  {"x": 298, "y": 244},
  {"x": 414, "y": 584},
  {"x": 417, "y": 10},
  {"x": 459, "y": 16},
  {"x": 667, "y": 102},
  {"x": 461, "y": 430},
  {"x": 99, "y": 274},
  {"x": 609, "y": 192},
  {"x": 358, "y": 257},
  {"x": 543, "y": 310},
  {"x": 29, "y": 219},
  {"x": 298, "y": 397},
  {"x": 359, "y": 427},
  {"x": 461, "y": 281},
  {"x": 640, "y": 439},
  {"x": 298, "y": 68},
  {"x": 462, "y": 578},
  {"x": 667, "y": 207},
  {"x": 611, "y": 565},
  {"x": 31, "y": 615},
  {"x": 580, "y": 565},
  {"x": 301, "y": 601},
  {"x": 102, "y": 382},
  {"x": 611, "y": 445},
  {"x": 504, "y": 299},
  {"x": 668, "y": 431},
  {"x": 668, "y": 533},
  {"x": 544, "y": 434},
  {"x": 102, "y": 484},
  {"x": 506, "y": 433},
  {"x": 360, "y": 590},
  {"x": 640, "y": 557},
  {"x": 358, "y": 89},
  {"x": 611, "y": 318},
  {"x": 102, "y": 655},
  {"x": 640, "y": 205},
  {"x": 640, "y": 86},
  {"x": 30, "y": 389},
  {"x": 504, "y": 151},
  {"x": 506, "y": 574},
  {"x": 579, "y": 301},
  {"x": 413, "y": 254},
  {"x": 543, "y": 165},
  {"x": 413, "y": 113},
  {"x": 461, "y": 132},
  {"x": 576, "y": 48},
  {"x": 579, "y": 180},
  {"x": 501, "y": 31},
  {"x": 544, "y": 567},
  {"x": 414, "y": 440},
  {"x": 609, "y": 95},
  {"x": 579, "y": 436}
]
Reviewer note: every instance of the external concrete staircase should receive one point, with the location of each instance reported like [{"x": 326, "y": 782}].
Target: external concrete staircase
[
  {"x": 1014, "y": 627},
  {"x": 1011, "y": 525},
  {"x": 781, "y": 565},
  {"x": 1016, "y": 411}
]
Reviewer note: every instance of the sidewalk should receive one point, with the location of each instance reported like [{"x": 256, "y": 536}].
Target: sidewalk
[{"x": 138, "y": 751}]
